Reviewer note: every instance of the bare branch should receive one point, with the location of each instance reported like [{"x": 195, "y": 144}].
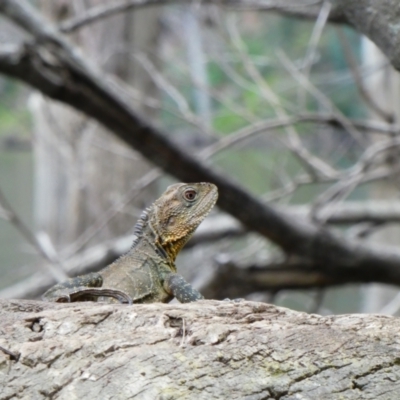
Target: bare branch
[
  {"x": 281, "y": 274},
  {"x": 313, "y": 43},
  {"x": 221, "y": 98},
  {"x": 357, "y": 13},
  {"x": 303, "y": 81},
  {"x": 378, "y": 20},
  {"x": 360, "y": 172},
  {"x": 104, "y": 219},
  {"x": 262, "y": 127},
  {"x": 364, "y": 93},
  {"x": 99, "y": 256},
  {"x": 316, "y": 36},
  {"x": 89, "y": 260},
  {"x": 55, "y": 67},
  {"x": 305, "y": 9},
  {"x": 212, "y": 229},
  {"x": 51, "y": 265},
  {"x": 98, "y": 13},
  {"x": 299, "y": 9},
  {"x": 313, "y": 164},
  {"x": 167, "y": 87}
]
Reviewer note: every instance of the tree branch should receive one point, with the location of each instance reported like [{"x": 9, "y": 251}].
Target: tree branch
[
  {"x": 274, "y": 275},
  {"x": 51, "y": 264},
  {"x": 56, "y": 68},
  {"x": 308, "y": 9},
  {"x": 359, "y": 81},
  {"x": 203, "y": 350},
  {"x": 89, "y": 260},
  {"x": 280, "y": 274},
  {"x": 99, "y": 13},
  {"x": 376, "y": 19}
]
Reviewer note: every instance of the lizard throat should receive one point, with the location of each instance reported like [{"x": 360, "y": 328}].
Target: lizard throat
[{"x": 173, "y": 248}]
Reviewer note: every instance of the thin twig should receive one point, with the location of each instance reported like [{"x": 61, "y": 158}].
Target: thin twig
[
  {"x": 364, "y": 93},
  {"x": 313, "y": 164},
  {"x": 316, "y": 34},
  {"x": 51, "y": 266},
  {"x": 98, "y": 13},
  {"x": 106, "y": 217},
  {"x": 261, "y": 127},
  {"x": 355, "y": 175},
  {"x": 313, "y": 43},
  {"x": 108, "y": 107},
  {"x": 321, "y": 97},
  {"x": 370, "y": 214},
  {"x": 364, "y": 230},
  {"x": 162, "y": 82},
  {"x": 223, "y": 99}
]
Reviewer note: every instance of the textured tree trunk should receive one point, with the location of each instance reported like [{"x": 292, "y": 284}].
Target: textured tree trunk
[{"x": 204, "y": 350}]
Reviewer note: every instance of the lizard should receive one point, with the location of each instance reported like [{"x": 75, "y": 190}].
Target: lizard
[{"x": 147, "y": 272}]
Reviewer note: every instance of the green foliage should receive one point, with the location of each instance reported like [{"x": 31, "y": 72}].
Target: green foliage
[
  {"x": 255, "y": 167},
  {"x": 228, "y": 122},
  {"x": 14, "y": 115},
  {"x": 14, "y": 122},
  {"x": 216, "y": 75}
]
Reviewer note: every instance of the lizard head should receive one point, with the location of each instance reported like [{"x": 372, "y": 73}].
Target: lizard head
[{"x": 179, "y": 211}]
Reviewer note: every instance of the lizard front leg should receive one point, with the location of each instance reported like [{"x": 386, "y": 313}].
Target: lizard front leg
[
  {"x": 176, "y": 286},
  {"x": 83, "y": 288}
]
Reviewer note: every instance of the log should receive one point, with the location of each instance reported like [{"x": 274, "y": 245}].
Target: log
[{"x": 203, "y": 350}]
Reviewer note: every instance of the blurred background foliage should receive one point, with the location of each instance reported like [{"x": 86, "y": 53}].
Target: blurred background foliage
[{"x": 225, "y": 96}]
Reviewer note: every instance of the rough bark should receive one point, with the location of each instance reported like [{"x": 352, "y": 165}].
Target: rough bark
[
  {"x": 378, "y": 20},
  {"x": 204, "y": 350}
]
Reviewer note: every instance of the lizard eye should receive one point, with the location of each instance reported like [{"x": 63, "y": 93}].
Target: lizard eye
[{"x": 190, "y": 194}]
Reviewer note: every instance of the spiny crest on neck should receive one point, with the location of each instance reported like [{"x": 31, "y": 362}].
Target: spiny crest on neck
[{"x": 140, "y": 225}]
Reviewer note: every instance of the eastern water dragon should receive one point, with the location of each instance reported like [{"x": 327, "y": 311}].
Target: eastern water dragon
[{"x": 147, "y": 273}]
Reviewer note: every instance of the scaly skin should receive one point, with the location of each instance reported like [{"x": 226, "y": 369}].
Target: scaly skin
[{"x": 147, "y": 273}]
